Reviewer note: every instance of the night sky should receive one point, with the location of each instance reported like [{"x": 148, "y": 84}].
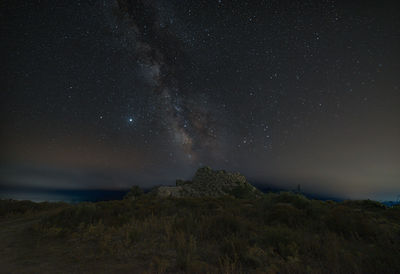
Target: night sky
[{"x": 107, "y": 94}]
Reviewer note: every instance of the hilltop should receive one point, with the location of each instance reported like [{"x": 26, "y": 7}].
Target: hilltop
[{"x": 210, "y": 183}]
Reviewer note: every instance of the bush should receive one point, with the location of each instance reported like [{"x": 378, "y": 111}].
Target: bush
[
  {"x": 134, "y": 193},
  {"x": 297, "y": 200},
  {"x": 283, "y": 213},
  {"x": 13, "y": 207},
  {"x": 350, "y": 223}
]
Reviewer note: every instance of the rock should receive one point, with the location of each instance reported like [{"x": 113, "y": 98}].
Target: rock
[
  {"x": 210, "y": 183},
  {"x": 168, "y": 191}
]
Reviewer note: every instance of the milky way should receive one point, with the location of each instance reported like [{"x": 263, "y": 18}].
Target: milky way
[{"x": 185, "y": 115}]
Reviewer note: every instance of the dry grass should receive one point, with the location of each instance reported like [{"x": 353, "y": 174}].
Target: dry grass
[{"x": 278, "y": 233}]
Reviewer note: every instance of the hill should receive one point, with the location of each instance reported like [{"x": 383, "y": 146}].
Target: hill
[{"x": 146, "y": 233}]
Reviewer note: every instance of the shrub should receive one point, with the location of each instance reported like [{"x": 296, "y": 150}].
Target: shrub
[
  {"x": 297, "y": 200},
  {"x": 350, "y": 223},
  {"x": 283, "y": 213},
  {"x": 134, "y": 193}
]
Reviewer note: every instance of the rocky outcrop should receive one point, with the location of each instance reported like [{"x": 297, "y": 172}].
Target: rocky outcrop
[{"x": 210, "y": 183}]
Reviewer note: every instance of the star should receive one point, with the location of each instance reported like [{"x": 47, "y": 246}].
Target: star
[{"x": 131, "y": 120}]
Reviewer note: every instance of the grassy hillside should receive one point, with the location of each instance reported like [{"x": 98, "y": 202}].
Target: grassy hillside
[{"x": 285, "y": 233}]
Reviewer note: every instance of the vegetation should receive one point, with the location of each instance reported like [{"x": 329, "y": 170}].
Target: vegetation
[
  {"x": 275, "y": 233},
  {"x": 134, "y": 193}
]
